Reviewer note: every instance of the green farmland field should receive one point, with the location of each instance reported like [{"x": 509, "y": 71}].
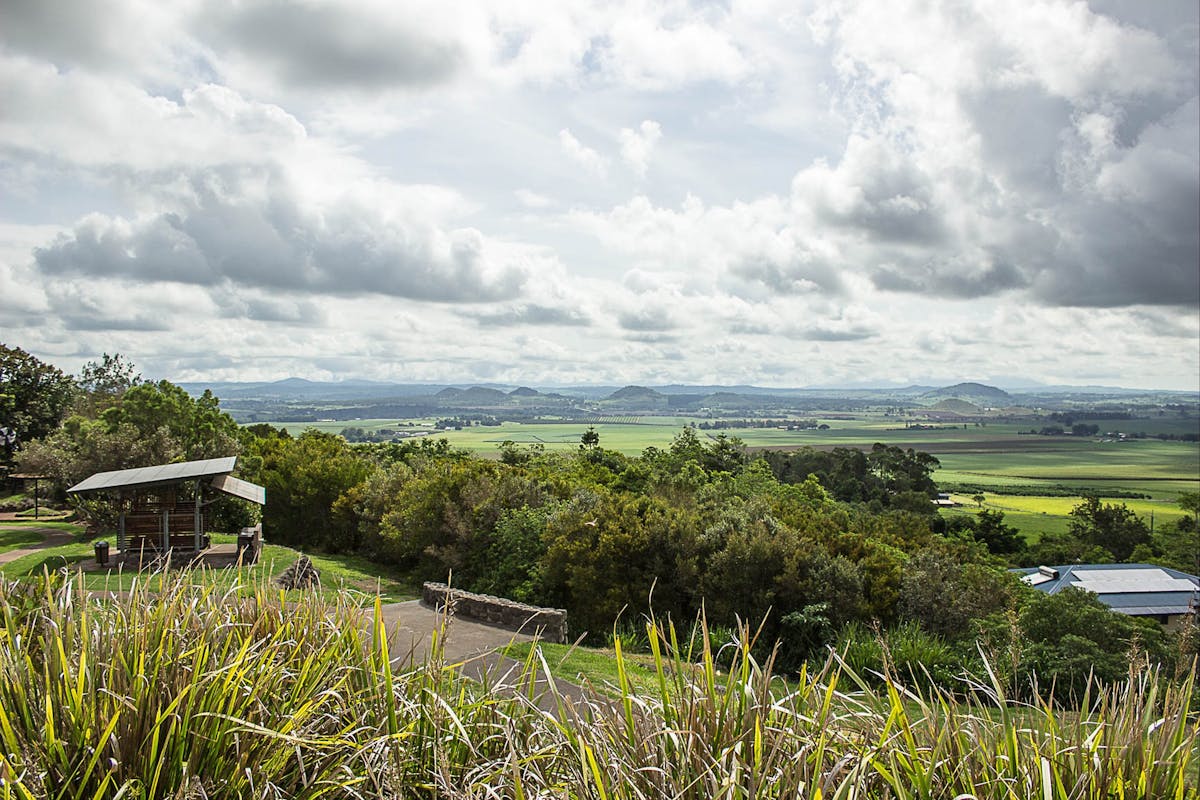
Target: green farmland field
[{"x": 630, "y": 435}]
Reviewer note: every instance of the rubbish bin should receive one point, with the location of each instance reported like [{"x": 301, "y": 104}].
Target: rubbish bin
[
  {"x": 101, "y": 552},
  {"x": 245, "y": 546}
]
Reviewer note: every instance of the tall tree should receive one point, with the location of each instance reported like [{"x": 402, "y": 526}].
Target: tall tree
[
  {"x": 1111, "y": 526},
  {"x": 103, "y": 382},
  {"x": 304, "y": 478},
  {"x": 34, "y": 397}
]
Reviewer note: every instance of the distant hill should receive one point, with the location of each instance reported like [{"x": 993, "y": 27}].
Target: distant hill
[
  {"x": 480, "y": 394},
  {"x": 977, "y": 393},
  {"x": 956, "y": 406},
  {"x": 635, "y": 393},
  {"x": 524, "y": 391}
]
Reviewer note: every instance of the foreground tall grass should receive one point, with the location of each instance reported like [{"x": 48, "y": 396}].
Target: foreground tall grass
[{"x": 196, "y": 693}]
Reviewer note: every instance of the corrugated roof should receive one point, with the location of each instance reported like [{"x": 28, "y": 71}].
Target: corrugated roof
[
  {"x": 1148, "y": 611},
  {"x": 156, "y": 475},
  {"x": 1158, "y": 581},
  {"x": 1135, "y": 589}
]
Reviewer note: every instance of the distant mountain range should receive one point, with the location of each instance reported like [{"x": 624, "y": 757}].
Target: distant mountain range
[{"x": 302, "y": 390}]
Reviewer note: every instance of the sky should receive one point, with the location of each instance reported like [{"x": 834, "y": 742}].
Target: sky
[{"x": 771, "y": 193}]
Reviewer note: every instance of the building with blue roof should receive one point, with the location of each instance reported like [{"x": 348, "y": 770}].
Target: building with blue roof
[{"x": 1139, "y": 590}]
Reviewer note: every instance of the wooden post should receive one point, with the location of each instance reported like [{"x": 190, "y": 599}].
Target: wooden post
[{"x": 196, "y": 518}]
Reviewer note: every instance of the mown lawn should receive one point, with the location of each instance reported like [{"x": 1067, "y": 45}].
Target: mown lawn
[
  {"x": 14, "y": 537},
  {"x": 585, "y": 666},
  {"x": 58, "y": 525},
  {"x": 337, "y": 572}
]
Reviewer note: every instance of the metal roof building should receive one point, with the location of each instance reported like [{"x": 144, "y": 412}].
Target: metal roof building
[
  {"x": 163, "y": 507},
  {"x": 1140, "y": 590}
]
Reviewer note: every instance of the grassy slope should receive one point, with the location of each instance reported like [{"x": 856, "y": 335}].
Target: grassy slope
[
  {"x": 337, "y": 572},
  {"x": 58, "y": 525},
  {"x": 592, "y": 667},
  {"x": 13, "y": 537}
]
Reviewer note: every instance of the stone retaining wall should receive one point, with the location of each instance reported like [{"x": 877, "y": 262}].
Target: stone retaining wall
[{"x": 549, "y": 623}]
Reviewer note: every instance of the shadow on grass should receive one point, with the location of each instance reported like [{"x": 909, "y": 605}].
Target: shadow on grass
[{"x": 14, "y": 538}]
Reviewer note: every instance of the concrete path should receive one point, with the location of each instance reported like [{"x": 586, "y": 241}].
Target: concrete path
[{"x": 472, "y": 645}]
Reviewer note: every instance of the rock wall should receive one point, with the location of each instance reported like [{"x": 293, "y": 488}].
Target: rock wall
[{"x": 549, "y": 623}]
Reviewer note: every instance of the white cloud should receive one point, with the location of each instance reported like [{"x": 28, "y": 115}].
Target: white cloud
[
  {"x": 585, "y": 156},
  {"x": 656, "y": 53},
  {"x": 532, "y": 199},
  {"x": 637, "y": 145}
]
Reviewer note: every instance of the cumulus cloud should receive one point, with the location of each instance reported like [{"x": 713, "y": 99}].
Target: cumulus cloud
[
  {"x": 647, "y": 319},
  {"x": 875, "y": 190},
  {"x": 1030, "y": 151},
  {"x": 123, "y": 306},
  {"x": 655, "y": 52},
  {"x": 353, "y": 185},
  {"x": 750, "y": 249},
  {"x": 325, "y": 45},
  {"x": 820, "y": 333},
  {"x": 636, "y": 146},
  {"x": 239, "y": 193},
  {"x": 533, "y": 314},
  {"x": 120, "y": 37},
  {"x": 244, "y": 303},
  {"x": 581, "y": 154},
  {"x": 255, "y": 229},
  {"x": 80, "y": 120}
]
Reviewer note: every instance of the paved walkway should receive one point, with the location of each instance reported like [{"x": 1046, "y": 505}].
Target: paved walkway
[{"x": 473, "y": 645}]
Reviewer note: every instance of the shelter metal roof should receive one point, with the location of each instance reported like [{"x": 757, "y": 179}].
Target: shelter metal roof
[{"x": 156, "y": 475}]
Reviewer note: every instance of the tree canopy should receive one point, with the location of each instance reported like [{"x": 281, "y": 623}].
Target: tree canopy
[{"x": 34, "y": 397}]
